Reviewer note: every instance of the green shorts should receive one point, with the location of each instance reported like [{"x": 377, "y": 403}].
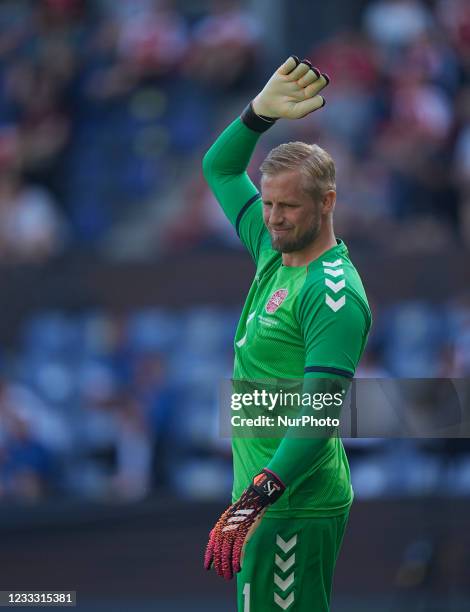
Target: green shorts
[{"x": 289, "y": 564}]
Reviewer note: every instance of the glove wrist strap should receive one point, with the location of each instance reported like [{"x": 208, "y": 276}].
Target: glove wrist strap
[
  {"x": 269, "y": 486},
  {"x": 257, "y": 123}
]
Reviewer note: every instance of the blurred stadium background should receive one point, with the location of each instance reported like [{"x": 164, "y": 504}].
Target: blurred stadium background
[{"x": 121, "y": 284}]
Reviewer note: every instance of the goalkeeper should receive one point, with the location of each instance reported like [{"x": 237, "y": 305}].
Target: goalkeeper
[{"x": 306, "y": 316}]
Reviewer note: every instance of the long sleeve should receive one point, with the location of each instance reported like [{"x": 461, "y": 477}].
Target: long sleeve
[
  {"x": 334, "y": 342},
  {"x": 224, "y": 167},
  {"x": 296, "y": 456}
]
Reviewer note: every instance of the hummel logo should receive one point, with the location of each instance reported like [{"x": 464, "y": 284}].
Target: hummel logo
[
  {"x": 335, "y": 305},
  {"x": 285, "y": 565},
  {"x": 286, "y": 546},
  {"x": 332, "y": 264},
  {"x": 284, "y": 584},
  {"x": 284, "y": 603},
  {"x": 335, "y": 286},
  {"x": 334, "y": 273}
]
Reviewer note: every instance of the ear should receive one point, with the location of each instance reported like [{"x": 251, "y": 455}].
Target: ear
[{"x": 329, "y": 201}]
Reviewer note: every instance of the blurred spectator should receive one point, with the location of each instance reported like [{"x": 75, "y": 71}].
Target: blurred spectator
[
  {"x": 460, "y": 340},
  {"x": 395, "y": 23},
  {"x": 225, "y": 46},
  {"x": 462, "y": 163},
  {"x": 133, "y": 477},
  {"x": 31, "y": 439},
  {"x": 159, "y": 398},
  {"x": 203, "y": 224},
  {"x": 26, "y": 465},
  {"x": 31, "y": 228},
  {"x": 43, "y": 124},
  {"x": 152, "y": 40},
  {"x": 455, "y": 17},
  {"x": 114, "y": 439},
  {"x": 353, "y": 102}
]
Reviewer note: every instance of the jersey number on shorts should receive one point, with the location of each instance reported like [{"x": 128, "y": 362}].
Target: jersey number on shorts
[{"x": 246, "y": 595}]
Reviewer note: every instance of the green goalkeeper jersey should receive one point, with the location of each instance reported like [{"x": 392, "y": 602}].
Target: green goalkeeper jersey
[{"x": 298, "y": 322}]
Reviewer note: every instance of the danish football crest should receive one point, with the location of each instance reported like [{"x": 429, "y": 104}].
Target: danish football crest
[{"x": 276, "y": 300}]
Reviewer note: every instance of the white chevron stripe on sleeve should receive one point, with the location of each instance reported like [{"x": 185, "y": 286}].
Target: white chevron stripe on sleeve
[
  {"x": 335, "y": 286},
  {"x": 335, "y": 305},
  {"x": 332, "y": 264},
  {"x": 335, "y": 273}
]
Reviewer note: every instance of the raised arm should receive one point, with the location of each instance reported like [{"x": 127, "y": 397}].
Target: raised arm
[{"x": 291, "y": 93}]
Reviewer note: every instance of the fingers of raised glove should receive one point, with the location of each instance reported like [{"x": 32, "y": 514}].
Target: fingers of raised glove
[
  {"x": 302, "y": 109},
  {"x": 299, "y": 72},
  {"x": 209, "y": 554},
  {"x": 314, "y": 88},
  {"x": 308, "y": 78},
  {"x": 289, "y": 65},
  {"x": 293, "y": 91}
]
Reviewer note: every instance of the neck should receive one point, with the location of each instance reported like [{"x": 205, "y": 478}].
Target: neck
[{"x": 322, "y": 243}]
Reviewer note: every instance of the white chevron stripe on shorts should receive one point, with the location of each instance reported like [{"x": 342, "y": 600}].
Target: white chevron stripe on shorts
[
  {"x": 286, "y": 546},
  {"x": 284, "y": 603},
  {"x": 284, "y": 565}
]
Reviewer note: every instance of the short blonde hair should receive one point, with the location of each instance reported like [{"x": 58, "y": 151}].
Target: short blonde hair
[{"x": 315, "y": 164}]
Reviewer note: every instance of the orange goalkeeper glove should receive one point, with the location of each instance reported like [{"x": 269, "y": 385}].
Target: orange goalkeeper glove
[{"x": 236, "y": 525}]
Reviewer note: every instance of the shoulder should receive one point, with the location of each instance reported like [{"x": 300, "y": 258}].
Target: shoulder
[{"x": 333, "y": 289}]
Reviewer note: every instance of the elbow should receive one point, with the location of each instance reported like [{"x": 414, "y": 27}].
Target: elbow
[{"x": 206, "y": 164}]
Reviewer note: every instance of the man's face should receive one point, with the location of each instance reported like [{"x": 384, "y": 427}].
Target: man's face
[{"x": 291, "y": 216}]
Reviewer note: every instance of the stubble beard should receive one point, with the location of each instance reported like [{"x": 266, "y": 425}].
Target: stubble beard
[{"x": 298, "y": 244}]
